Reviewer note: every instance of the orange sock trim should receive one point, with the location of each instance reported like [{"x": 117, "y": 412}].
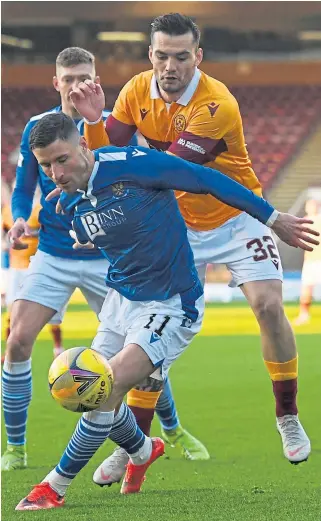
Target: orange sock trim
[
  {"x": 282, "y": 371},
  {"x": 56, "y": 334},
  {"x": 142, "y": 399},
  {"x": 305, "y": 306}
]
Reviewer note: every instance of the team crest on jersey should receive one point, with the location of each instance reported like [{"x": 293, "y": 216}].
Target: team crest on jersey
[
  {"x": 179, "y": 123},
  {"x": 118, "y": 189},
  {"x": 212, "y": 107}
]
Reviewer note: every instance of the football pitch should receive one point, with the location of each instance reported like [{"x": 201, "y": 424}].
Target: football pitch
[{"x": 224, "y": 397}]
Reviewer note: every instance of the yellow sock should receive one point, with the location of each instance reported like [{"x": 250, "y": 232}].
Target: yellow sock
[
  {"x": 143, "y": 399},
  {"x": 280, "y": 371},
  {"x": 142, "y": 404}
]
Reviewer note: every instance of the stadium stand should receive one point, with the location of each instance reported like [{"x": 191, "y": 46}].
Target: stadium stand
[{"x": 277, "y": 120}]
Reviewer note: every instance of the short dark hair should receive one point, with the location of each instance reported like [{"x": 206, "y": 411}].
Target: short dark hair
[
  {"x": 52, "y": 127},
  {"x": 72, "y": 56},
  {"x": 175, "y": 24}
]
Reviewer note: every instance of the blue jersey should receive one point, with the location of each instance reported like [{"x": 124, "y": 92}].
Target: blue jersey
[
  {"x": 130, "y": 213},
  {"x": 54, "y": 235}
]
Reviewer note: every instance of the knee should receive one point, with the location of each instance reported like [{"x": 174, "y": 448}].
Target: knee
[
  {"x": 20, "y": 342},
  {"x": 268, "y": 309}
]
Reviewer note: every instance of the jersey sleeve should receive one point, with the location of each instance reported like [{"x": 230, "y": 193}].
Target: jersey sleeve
[
  {"x": 26, "y": 179},
  {"x": 203, "y": 139},
  {"x": 153, "y": 169},
  {"x": 119, "y": 127}
]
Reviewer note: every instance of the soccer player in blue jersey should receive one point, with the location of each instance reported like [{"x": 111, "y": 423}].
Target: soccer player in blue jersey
[
  {"x": 55, "y": 271},
  {"x": 126, "y": 208}
]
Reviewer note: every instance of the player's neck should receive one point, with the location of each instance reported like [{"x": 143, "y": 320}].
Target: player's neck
[
  {"x": 89, "y": 163},
  {"x": 171, "y": 97},
  {"x": 70, "y": 111}
]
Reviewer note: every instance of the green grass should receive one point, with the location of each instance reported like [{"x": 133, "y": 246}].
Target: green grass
[{"x": 224, "y": 397}]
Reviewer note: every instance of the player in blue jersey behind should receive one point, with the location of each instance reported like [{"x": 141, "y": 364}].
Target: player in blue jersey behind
[
  {"x": 125, "y": 207},
  {"x": 55, "y": 271}
]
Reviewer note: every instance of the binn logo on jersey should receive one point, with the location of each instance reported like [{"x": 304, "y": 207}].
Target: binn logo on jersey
[{"x": 97, "y": 223}]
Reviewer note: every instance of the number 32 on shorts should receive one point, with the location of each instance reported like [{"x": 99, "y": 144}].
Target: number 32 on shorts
[{"x": 263, "y": 249}]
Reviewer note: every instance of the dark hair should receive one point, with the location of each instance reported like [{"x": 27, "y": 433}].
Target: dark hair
[
  {"x": 52, "y": 127},
  {"x": 74, "y": 56},
  {"x": 175, "y": 24}
]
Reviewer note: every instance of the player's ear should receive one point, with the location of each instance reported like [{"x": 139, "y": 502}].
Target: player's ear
[
  {"x": 55, "y": 83},
  {"x": 150, "y": 53},
  {"x": 97, "y": 79},
  {"x": 199, "y": 56}
]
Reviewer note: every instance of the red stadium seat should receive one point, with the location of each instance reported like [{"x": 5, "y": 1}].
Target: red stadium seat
[{"x": 276, "y": 121}]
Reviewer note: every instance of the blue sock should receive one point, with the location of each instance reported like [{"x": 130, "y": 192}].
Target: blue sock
[
  {"x": 16, "y": 396},
  {"x": 166, "y": 409},
  {"x": 91, "y": 431},
  {"x": 125, "y": 431}
]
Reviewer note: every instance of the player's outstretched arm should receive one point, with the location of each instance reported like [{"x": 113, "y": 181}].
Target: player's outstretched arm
[
  {"x": 295, "y": 231},
  {"x": 119, "y": 128},
  {"x": 164, "y": 171},
  {"x": 23, "y": 193},
  {"x": 89, "y": 100}
]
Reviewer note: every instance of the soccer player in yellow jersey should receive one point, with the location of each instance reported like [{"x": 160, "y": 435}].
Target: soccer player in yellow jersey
[
  {"x": 19, "y": 262},
  {"x": 311, "y": 270},
  {"x": 183, "y": 111}
]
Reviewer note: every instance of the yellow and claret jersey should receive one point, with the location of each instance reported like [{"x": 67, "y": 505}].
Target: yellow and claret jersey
[
  {"x": 314, "y": 255},
  {"x": 204, "y": 126},
  {"x": 20, "y": 259}
]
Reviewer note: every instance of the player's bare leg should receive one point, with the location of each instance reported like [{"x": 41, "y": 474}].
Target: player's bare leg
[
  {"x": 7, "y": 336},
  {"x": 305, "y": 304},
  {"x": 27, "y": 320},
  {"x": 129, "y": 366},
  {"x": 56, "y": 334},
  {"x": 280, "y": 357}
]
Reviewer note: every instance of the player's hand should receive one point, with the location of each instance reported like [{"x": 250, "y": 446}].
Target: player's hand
[
  {"x": 18, "y": 230},
  {"x": 55, "y": 193},
  {"x": 295, "y": 232},
  {"x": 78, "y": 245},
  {"x": 88, "y": 99}
]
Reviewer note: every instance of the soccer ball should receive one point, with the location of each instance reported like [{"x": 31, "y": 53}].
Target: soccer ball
[{"x": 80, "y": 379}]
